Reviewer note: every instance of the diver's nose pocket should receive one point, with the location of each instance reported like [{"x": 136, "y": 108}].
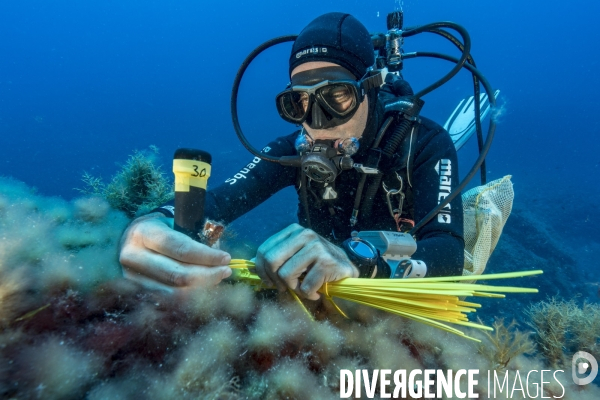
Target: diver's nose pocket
[{"x": 318, "y": 118}]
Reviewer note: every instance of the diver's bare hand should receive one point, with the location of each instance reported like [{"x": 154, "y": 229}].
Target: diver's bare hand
[
  {"x": 285, "y": 256},
  {"x": 154, "y": 254}
]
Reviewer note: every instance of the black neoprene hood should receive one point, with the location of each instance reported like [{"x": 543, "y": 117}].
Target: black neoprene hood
[{"x": 338, "y": 38}]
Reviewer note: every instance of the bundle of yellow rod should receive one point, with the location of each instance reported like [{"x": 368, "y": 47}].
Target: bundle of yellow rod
[{"x": 427, "y": 300}]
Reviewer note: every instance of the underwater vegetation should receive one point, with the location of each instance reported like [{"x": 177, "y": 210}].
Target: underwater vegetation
[
  {"x": 71, "y": 327},
  {"x": 137, "y": 188},
  {"x": 562, "y": 328},
  {"x": 505, "y": 344}
]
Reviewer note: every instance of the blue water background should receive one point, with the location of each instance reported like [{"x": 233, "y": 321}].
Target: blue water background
[{"x": 84, "y": 84}]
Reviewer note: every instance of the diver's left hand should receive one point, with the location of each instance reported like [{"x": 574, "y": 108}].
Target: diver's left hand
[{"x": 285, "y": 256}]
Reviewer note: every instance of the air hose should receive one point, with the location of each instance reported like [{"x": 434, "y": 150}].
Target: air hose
[
  {"x": 486, "y": 145},
  {"x": 399, "y": 134},
  {"x": 285, "y": 160},
  {"x": 476, "y": 95},
  {"x": 459, "y": 63}
]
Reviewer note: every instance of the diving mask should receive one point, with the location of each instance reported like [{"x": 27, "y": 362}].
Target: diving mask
[{"x": 324, "y": 97}]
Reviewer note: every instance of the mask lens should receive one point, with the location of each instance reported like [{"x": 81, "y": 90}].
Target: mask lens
[
  {"x": 294, "y": 105},
  {"x": 340, "y": 97}
]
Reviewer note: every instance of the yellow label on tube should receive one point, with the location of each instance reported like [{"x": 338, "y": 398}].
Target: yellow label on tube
[{"x": 190, "y": 173}]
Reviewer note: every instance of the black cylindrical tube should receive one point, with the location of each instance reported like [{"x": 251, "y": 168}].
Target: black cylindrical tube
[{"x": 192, "y": 169}]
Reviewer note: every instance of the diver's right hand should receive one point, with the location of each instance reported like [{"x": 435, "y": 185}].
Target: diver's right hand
[{"x": 155, "y": 255}]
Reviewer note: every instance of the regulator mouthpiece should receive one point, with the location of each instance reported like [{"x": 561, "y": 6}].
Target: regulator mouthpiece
[
  {"x": 324, "y": 160},
  {"x": 318, "y": 168}
]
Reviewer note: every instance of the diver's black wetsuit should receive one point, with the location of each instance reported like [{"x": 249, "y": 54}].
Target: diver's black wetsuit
[{"x": 434, "y": 174}]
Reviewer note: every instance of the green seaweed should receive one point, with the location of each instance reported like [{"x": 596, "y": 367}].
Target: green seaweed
[
  {"x": 550, "y": 319},
  {"x": 585, "y": 328},
  {"x": 137, "y": 188},
  {"x": 562, "y": 328}
]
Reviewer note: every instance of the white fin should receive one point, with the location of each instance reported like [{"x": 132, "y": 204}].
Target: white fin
[{"x": 461, "y": 124}]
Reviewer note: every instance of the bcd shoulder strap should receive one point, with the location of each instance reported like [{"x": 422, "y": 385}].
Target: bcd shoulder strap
[{"x": 398, "y": 178}]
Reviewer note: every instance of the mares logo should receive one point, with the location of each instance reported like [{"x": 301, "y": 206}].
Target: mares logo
[
  {"x": 444, "y": 170},
  {"x": 244, "y": 171},
  {"x": 314, "y": 50}
]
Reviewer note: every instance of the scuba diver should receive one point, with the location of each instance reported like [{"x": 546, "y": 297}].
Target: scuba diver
[{"x": 363, "y": 160}]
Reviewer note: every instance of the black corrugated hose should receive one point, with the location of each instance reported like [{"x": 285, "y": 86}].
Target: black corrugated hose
[{"x": 390, "y": 148}]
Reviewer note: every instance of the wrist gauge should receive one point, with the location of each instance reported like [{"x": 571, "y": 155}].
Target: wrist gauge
[{"x": 362, "y": 254}]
